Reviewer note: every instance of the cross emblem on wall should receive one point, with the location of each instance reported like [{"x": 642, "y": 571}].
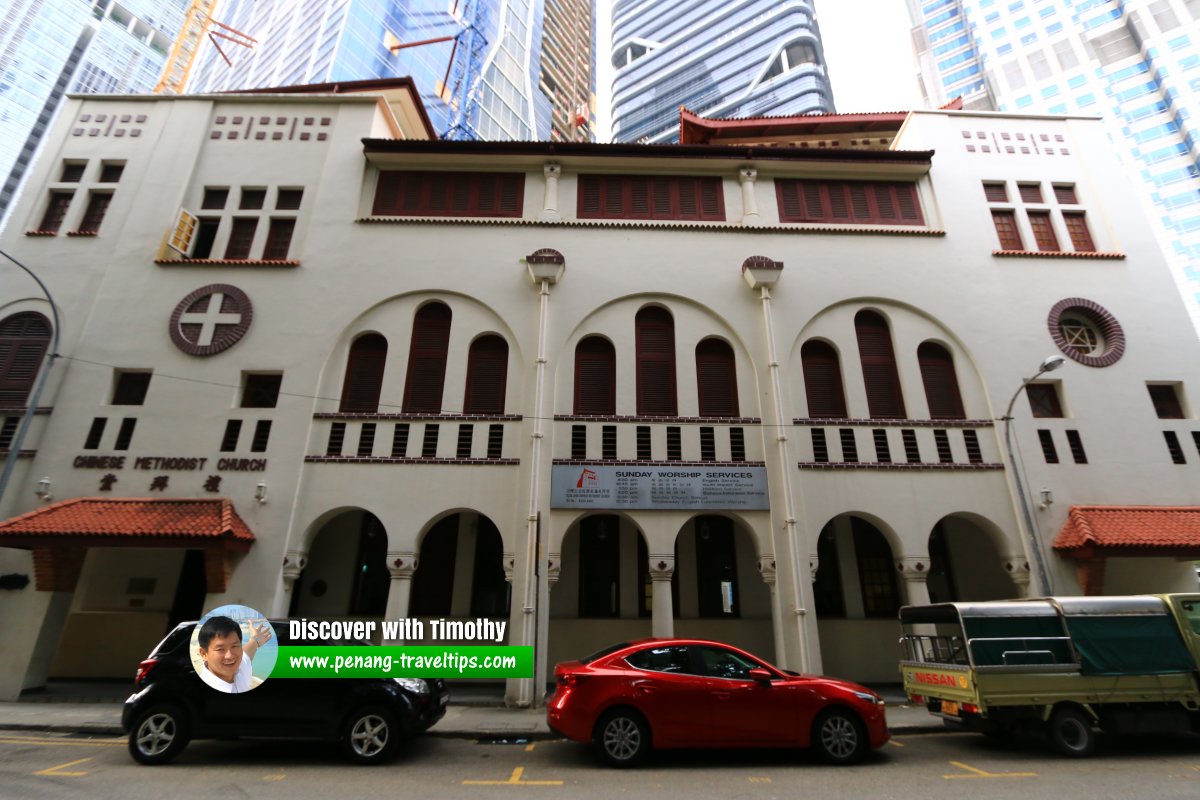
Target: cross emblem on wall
[{"x": 211, "y": 319}]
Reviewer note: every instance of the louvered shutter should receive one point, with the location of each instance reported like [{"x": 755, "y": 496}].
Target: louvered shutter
[
  {"x": 941, "y": 382},
  {"x": 791, "y": 208},
  {"x": 848, "y": 202},
  {"x": 589, "y": 196},
  {"x": 364, "y": 374},
  {"x": 487, "y": 376},
  {"x": 716, "y": 379},
  {"x": 24, "y": 339},
  {"x": 655, "y": 343},
  {"x": 595, "y": 377},
  {"x": 449, "y": 194},
  {"x": 387, "y": 194},
  {"x": 995, "y": 192},
  {"x": 879, "y": 366},
  {"x": 657, "y": 197},
  {"x": 427, "y": 360},
  {"x": 823, "y": 381},
  {"x": 816, "y": 202}
]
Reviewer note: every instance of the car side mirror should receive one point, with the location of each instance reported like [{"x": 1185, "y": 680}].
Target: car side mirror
[{"x": 760, "y": 675}]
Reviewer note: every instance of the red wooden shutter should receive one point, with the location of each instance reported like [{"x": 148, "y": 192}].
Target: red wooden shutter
[
  {"x": 279, "y": 238},
  {"x": 823, "y": 380},
  {"x": 1065, "y": 195},
  {"x": 650, "y": 197},
  {"x": 880, "y": 377},
  {"x": 449, "y": 194},
  {"x": 1030, "y": 192},
  {"x": 1077, "y": 229},
  {"x": 716, "y": 379},
  {"x": 427, "y": 360},
  {"x": 655, "y": 342},
  {"x": 848, "y": 202},
  {"x": 595, "y": 377},
  {"x": 941, "y": 382},
  {"x": 1043, "y": 231},
  {"x": 241, "y": 237},
  {"x": 1006, "y": 229},
  {"x": 24, "y": 339},
  {"x": 364, "y": 374},
  {"x": 487, "y": 376},
  {"x": 995, "y": 192},
  {"x": 97, "y": 207}
]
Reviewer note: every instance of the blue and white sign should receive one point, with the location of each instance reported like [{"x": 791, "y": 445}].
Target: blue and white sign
[{"x": 656, "y": 487}]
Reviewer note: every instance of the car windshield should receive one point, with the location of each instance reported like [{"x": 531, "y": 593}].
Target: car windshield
[{"x": 602, "y": 653}]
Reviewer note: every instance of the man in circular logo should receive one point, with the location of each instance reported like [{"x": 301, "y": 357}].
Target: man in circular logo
[{"x": 226, "y": 652}]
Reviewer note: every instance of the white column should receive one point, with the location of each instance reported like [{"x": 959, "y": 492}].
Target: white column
[
  {"x": 401, "y": 566},
  {"x": 747, "y": 176},
  {"x": 915, "y": 571},
  {"x": 552, "y": 172},
  {"x": 662, "y": 622},
  {"x": 1017, "y": 567},
  {"x": 766, "y": 568},
  {"x": 294, "y": 562}
]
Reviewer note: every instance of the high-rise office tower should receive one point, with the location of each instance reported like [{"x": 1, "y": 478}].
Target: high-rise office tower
[
  {"x": 1135, "y": 63},
  {"x": 569, "y": 68},
  {"x": 726, "y": 58},
  {"x": 51, "y": 47},
  {"x": 477, "y": 63}
]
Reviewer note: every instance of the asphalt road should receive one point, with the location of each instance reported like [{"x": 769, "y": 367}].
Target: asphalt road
[{"x": 929, "y": 767}]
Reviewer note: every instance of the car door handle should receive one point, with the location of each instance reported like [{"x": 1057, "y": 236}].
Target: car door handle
[
  {"x": 721, "y": 695},
  {"x": 643, "y": 687}
]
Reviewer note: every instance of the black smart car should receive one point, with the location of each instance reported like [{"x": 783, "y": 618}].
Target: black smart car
[{"x": 171, "y": 705}]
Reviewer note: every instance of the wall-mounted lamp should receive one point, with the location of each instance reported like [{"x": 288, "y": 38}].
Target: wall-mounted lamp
[
  {"x": 260, "y": 492},
  {"x": 1046, "y": 498},
  {"x": 43, "y": 489}
]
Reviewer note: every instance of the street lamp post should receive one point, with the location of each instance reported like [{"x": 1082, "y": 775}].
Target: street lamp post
[
  {"x": 1048, "y": 365},
  {"x": 14, "y": 449}
]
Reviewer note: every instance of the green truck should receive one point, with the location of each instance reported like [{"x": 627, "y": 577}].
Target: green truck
[{"x": 1062, "y": 665}]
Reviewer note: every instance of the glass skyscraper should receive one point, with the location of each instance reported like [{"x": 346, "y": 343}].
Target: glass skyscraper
[
  {"x": 1136, "y": 63},
  {"x": 51, "y": 47},
  {"x": 728, "y": 58},
  {"x": 480, "y": 82}
]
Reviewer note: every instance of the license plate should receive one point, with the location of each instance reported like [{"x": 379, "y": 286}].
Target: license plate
[{"x": 950, "y": 708}]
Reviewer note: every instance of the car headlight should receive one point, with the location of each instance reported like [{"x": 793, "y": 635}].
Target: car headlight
[
  {"x": 414, "y": 685},
  {"x": 874, "y": 699}
]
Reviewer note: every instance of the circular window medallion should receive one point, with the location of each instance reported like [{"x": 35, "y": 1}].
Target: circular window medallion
[
  {"x": 1086, "y": 332},
  {"x": 211, "y": 319}
]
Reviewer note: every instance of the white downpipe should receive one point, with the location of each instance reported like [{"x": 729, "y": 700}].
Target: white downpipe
[
  {"x": 781, "y": 441},
  {"x": 529, "y": 610}
]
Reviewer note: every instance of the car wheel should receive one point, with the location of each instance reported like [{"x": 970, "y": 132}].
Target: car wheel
[
  {"x": 1071, "y": 733},
  {"x": 622, "y": 738},
  {"x": 371, "y": 736},
  {"x": 839, "y": 737},
  {"x": 158, "y": 735}
]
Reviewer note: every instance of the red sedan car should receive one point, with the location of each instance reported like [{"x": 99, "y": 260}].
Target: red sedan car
[{"x": 675, "y": 693}]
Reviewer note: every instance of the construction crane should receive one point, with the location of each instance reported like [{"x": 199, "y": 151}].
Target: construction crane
[
  {"x": 197, "y": 24},
  {"x": 461, "y": 86}
]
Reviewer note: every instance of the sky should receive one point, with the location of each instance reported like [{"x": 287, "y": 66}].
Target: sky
[{"x": 867, "y": 50}]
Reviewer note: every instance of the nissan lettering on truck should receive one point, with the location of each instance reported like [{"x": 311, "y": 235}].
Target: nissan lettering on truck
[{"x": 1062, "y": 666}]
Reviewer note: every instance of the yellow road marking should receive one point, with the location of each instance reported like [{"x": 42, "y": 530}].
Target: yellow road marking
[
  {"x": 514, "y": 780},
  {"x": 760, "y": 780},
  {"x": 894, "y": 743},
  {"x": 65, "y": 742},
  {"x": 529, "y": 747},
  {"x": 55, "y": 770},
  {"x": 276, "y": 777},
  {"x": 978, "y": 773}
]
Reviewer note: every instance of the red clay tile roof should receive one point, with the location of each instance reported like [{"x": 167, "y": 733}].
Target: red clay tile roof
[
  {"x": 1168, "y": 528},
  {"x": 125, "y": 516}
]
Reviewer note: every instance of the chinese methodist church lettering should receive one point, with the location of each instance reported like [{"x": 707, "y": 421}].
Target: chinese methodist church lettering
[{"x": 698, "y": 488}]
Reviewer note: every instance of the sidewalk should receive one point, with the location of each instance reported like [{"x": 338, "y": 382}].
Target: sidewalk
[{"x": 474, "y": 713}]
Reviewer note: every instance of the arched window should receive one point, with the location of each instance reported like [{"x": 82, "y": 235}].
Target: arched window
[
  {"x": 823, "y": 380},
  {"x": 882, "y": 382},
  {"x": 427, "y": 360},
  {"x": 716, "y": 379},
  {"x": 487, "y": 376},
  {"x": 364, "y": 374},
  {"x": 595, "y": 376},
  {"x": 941, "y": 382},
  {"x": 655, "y": 342},
  {"x": 24, "y": 339}
]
